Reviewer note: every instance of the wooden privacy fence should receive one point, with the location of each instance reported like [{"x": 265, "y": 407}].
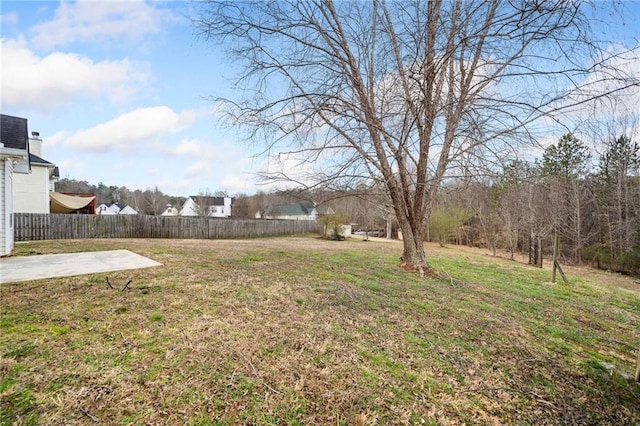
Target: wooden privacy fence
[{"x": 31, "y": 227}]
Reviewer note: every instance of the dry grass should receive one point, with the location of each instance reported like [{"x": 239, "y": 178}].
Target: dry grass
[{"x": 305, "y": 331}]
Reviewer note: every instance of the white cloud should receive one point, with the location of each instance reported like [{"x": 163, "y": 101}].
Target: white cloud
[
  {"x": 210, "y": 159},
  {"x": 74, "y": 168},
  {"x": 173, "y": 186},
  {"x": 238, "y": 183},
  {"x": 9, "y": 18},
  {"x": 57, "y": 138},
  {"x": 617, "y": 71},
  {"x": 201, "y": 163},
  {"x": 197, "y": 170},
  {"x": 93, "y": 21},
  {"x": 45, "y": 82},
  {"x": 194, "y": 148},
  {"x": 130, "y": 129}
]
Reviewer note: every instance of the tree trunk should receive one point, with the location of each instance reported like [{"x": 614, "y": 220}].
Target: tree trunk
[
  {"x": 413, "y": 254},
  {"x": 395, "y": 93},
  {"x": 578, "y": 224}
]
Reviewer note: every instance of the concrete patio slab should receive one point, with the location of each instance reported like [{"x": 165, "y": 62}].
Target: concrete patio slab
[{"x": 27, "y": 268}]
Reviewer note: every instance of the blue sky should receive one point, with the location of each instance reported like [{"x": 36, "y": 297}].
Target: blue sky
[{"x": 117, "y": 91}]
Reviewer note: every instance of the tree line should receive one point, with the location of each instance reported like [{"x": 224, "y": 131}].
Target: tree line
[
  {"x": 591, "y": 201},
  {"x": 591, "y": 204},
  {"x": 151, "y": 201}
]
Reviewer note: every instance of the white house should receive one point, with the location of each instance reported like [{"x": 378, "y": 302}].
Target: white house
[
  {"x": 32, "y": 189},
  {"x": 14, "y": 154},
  {"x": 114, "y": 208},
  {"x": 170, "y": 211},
  {"x": 127, "y": 210},
  {"x": 207, "y": 206},
  {"x": 107, "y": 209}
]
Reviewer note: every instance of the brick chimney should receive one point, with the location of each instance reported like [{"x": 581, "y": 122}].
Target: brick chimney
[{"x": 35, "y": 144}]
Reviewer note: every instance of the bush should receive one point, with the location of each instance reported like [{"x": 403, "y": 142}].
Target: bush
[
  {"x": 443, "y": 223},
  {"x": 602, "y": 257},
  {"x": 332, "y": 227},
  {"x": 630, "y": 261}
]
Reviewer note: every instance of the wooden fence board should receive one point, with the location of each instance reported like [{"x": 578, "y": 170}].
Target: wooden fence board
[{"x": 33, "y": 227}]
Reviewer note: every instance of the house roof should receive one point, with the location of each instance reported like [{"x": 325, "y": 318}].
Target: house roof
[
  {"x": 294, "y": 209},
  {"x": 208, "y": 201},
  {"x": 117, "y": 206},
  {"x": 13, "y": 132},
  {"x": 34, "y": 159},
  {"x": 324, "y": 210}
]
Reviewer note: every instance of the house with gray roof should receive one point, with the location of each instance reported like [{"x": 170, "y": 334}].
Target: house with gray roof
[
  {"x": 32, "y": 190},
  {"x": 34, "y": 177},
  {"x": 305, "y": 210},
  {"x": 114, "y": 208}
]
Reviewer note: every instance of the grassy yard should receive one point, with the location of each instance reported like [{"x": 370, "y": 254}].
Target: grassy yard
[{"x": 301, "y": 331}]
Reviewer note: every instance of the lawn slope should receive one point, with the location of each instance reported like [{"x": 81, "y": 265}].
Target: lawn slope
[{"x": 302, "y": 331}]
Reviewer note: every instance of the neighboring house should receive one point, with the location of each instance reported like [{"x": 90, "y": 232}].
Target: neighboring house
[
  {"x": 114, "y": 208},
  {"x": 197, "y": 205},
  {"x": 31, "y": 191},
  {"x": 294, "y": 211},
  {"x": 103, "y": 209},
  {"x": 128, "y": 210},
  {"x": 14, "y": 160},
  {"x": 170, "y": 211}
]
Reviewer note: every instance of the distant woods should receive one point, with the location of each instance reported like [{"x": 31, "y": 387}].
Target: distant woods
[
  {"x": 591, "y": 201},
  {"x": 151, "y": 201},
  {"x": 589, "y": 198}
]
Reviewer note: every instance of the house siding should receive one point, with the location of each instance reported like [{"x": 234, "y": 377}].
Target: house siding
[
  {"x": 6, "y": 207},
  {"x": 31, "y": 191},
  {"x": 189, "y": 208},
  {"x": 3, "y": 234},
  {"x": 311, "y": 216}
]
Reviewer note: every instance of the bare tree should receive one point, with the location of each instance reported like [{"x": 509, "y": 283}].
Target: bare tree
[
  {"x": 396, "y": 92},
  {"x": 618, "y": 181},
  {"x": 565, "y": 166},
  {"x": 154, "y": 201}
]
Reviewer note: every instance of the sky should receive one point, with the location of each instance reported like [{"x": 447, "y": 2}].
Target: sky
[{"x": 118, "y": 92}]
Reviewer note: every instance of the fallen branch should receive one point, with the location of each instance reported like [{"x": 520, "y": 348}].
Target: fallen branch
[
  {"x": 125, "y": 341},
  {"x": 88, "y": 414},
  {"x": 450, "y": 277},
  {"x": 123, "y": 288},
  {"x": 256, "y": 373}
]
